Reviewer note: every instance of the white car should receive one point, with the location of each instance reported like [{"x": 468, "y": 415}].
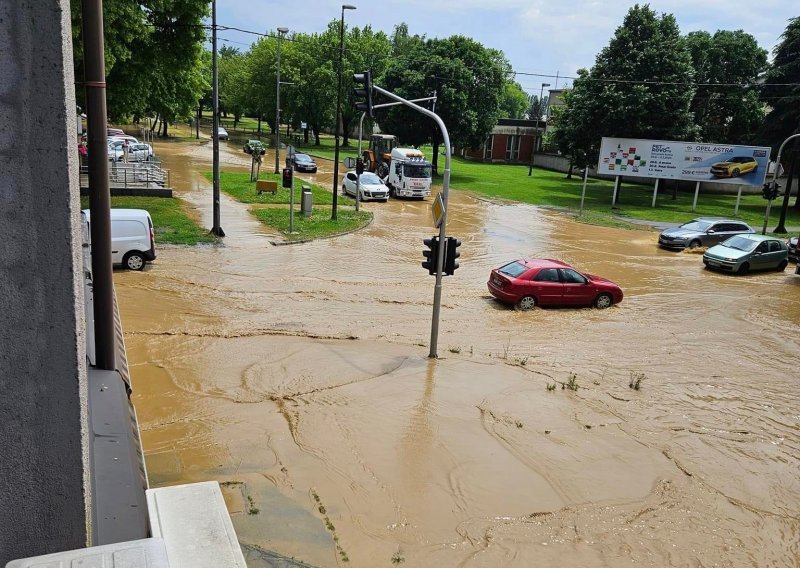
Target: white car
[
  {"x": 222, "y": 134},
  {"x": 140, "y": 152},
  {"x": 371, "y": 186},
  {"x": 115, "y": 152}
]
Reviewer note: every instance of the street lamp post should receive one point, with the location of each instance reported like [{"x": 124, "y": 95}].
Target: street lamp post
[
  {"x": 338, "y": 110},
  {"x": 538, "y": 118},
  {"x": 281, "y": 31}
]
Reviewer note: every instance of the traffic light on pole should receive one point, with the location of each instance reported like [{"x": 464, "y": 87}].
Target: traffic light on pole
[
  {"x": 431, "y": 254},
  {"x": 776, "y": 190},
  {"x": 365, "y": 92},
  {"x": 766, "y": 191},
  {"x": 359, "y": 166},
  {"x": 450, "y": 255},
  {"x": 287, "y": 177}
]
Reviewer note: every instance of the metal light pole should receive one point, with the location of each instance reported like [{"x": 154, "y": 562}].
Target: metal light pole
[
  {"x": 775, "y": 180},
  {"x": 281, "y": 31},
  {"x": 538, "y": 118},
  {"x": 216, "y": 229},
  {"x": 338, "y": 111}
]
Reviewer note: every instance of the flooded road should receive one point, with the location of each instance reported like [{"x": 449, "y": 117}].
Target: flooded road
[{"x": 297, "y": 376}]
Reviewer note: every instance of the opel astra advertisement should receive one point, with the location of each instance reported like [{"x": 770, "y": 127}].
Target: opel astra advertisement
[{"x": 692, "y": 161}]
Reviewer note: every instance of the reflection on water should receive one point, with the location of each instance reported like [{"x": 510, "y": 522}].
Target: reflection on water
[{"x": 296, "y": 376}]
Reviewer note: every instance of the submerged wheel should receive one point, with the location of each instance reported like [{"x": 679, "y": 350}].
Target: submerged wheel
[
  {"x": 526, "y": 303},
  {"x": 782, "y": 265},
  {"x": 694, "y": 244},
  {"x": 744, "y": 269},
  {"x": 603, "y": 301},
  {"x": 133, "y": 261}
]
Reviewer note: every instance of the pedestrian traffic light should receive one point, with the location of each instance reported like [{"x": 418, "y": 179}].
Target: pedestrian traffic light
[
  {"x": 359, "y": 166},
  {"x": 287, "y": 178},
  {"x": 431, "y": 255},
  {"x": 776, "y": 190},
  {"x": 766, "y": 191},
  {"x": 364, "y": 92},
  {"x": 450, "y": 255}
]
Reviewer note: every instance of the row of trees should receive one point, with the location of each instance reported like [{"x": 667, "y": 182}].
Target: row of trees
[
  {"x": 155, "y": 63},
  {"x": 652, "y": 82}
]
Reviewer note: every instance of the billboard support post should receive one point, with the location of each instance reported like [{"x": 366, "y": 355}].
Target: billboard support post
[
  {"x": 696, "y": 193},
  {"x": 616, "y": 187},
  {"x": 738, "y": 199},
  {"x": 655, "y": 192},
  {"x": 583, "y": 191}
]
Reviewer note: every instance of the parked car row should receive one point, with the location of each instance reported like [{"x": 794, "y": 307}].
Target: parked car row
[
  {"x": 137, "y": 151},
  {"x": 734, "y": 245}
]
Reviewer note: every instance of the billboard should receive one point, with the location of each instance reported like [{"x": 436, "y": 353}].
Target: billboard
[{"x": 692, "y": 161}]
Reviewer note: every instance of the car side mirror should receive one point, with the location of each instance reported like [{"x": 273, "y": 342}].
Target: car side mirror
[{"x": 711, "y": 231}]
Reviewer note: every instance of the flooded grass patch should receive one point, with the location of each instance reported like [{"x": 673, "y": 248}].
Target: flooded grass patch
[
  {"x": 171, "y": 221},
  {"x": 318, "y": 225},
  {"x": 239, "y": 186}
]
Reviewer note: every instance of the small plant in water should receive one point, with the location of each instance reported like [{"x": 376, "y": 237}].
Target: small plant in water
[
  {"x": 636, "y": 380},
  {"x": 551, "y": 387},
  {"x": 572, "y": 382},
  {"x": 455, "y": 349},
  {"x": 523, "y": 360},
  {"x": 252, "y": 509},
  {"x": 397, "y": 558}
]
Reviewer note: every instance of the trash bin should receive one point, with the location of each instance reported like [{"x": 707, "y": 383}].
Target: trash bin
[{"x": 307, "y": 201}]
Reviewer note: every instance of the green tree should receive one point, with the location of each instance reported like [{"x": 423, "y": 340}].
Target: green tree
[
  {"x": 537, "y": 107},
  {"x": 641, "y": 86},
  {"x": 468, "y": 79},
  {"x": 153, "y": 56},
  {"x": 782, "y": 93},
  {"x": 726, "y": 103},
  {"x": 514, "y": 101},
  {"x": 233, "y": 81}
]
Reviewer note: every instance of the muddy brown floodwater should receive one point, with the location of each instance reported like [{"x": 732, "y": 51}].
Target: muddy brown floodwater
[{"x": 297, "y": 376}]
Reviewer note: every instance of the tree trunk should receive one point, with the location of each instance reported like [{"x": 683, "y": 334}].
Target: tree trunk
[
  {"x": 569, "y": 170},
  {"x": 259, "y": 123},
  {"x": 345, "y": 132},
  {"x": 674, "y": 190}
]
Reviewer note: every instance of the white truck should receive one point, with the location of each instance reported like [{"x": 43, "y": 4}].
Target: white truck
[{"x": 408, "y": 175}]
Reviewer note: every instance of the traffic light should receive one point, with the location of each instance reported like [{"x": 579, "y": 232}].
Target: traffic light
[
  {"x": 364, "y": 79},
  {"x": 766, "y": 191},
  {"x": 431, "y": 254},
  {"x": 359, "y": 166},
  {"x": 287, "y": 178},
  {"x": 450, "y": 255},
  {"x": 776, "y": 187}
]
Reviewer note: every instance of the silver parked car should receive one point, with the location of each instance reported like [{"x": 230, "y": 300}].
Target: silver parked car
[{"x": 703, "y": 231}]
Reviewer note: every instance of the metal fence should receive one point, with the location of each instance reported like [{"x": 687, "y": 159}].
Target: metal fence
[{"x": 133, "y": 174}]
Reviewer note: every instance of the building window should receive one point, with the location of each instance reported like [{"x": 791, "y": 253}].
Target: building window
[
  {"x": 487, "y": 148},
  {"x": 512, "y": 148}
]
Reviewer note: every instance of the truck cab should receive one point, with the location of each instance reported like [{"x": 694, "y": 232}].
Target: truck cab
[{"x": 409, "y": 174}]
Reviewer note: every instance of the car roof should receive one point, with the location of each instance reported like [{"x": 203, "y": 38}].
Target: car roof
[
  {"x": 542, "y": 263},
  {"x": 716, "y": 219},
  {"x": 758, "y": 238}
]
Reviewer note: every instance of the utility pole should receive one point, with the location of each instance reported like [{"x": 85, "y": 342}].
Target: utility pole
[
  {"x": 281, "y": 31},
  {"x": 216, "y": 229},
  {"x": 338, "y": 112}
]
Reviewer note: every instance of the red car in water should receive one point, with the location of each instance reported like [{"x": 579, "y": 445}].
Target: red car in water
[{"x": 531, "y": 282}]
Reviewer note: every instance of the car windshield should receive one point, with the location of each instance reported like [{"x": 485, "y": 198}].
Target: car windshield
[
  {"x": 513, "y": 269},
  {"x": 740, "y": 243},
  {"x": 417, "y": 170},
  {"x": 305, "y": 158},
  {"x": 700, "y": 226},
  {"x": 370, "y": 179}
]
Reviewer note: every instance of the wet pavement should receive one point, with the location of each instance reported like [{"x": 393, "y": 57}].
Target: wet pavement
[{"x": 298, "y": 377}]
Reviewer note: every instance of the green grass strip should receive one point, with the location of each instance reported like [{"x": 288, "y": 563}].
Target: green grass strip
[
  {"x": 171, "y": 223},
  {"x": 318, "y": 225}
]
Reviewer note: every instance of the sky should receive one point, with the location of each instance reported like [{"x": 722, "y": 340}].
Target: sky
[{"x": 546, "y": 42}]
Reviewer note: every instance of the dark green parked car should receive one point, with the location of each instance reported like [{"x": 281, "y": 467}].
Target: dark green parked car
[{"x": 743, "y": 253}]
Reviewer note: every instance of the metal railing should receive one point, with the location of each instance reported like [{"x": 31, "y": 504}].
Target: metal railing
[{"x": 135, "y": 174}]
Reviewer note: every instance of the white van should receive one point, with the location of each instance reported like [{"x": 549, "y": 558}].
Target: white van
[{"x": 132, "y": 239}]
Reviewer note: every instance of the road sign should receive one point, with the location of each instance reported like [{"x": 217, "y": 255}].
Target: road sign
[
  {"x": 437, "y": 210},
  {"x": 350, "y": 162}
]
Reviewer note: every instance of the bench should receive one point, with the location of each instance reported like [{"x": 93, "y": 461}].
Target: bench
[{"x": 265, "y": 186}]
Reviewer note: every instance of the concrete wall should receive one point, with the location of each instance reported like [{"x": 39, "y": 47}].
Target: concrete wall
[{"x": 43, "y": 421}]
